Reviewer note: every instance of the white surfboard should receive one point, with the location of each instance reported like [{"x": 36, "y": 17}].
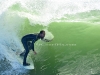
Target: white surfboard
[{"x": 28, "y": 60}]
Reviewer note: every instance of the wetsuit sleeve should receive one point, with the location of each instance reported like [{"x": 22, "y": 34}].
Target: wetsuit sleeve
[{"x": 33, "y": 44}]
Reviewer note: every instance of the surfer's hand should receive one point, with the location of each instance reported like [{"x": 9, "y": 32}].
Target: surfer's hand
[{"x": 35, "y": 52}]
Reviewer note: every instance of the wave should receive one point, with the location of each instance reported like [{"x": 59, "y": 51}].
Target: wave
[{"x": 15, "y": 13}]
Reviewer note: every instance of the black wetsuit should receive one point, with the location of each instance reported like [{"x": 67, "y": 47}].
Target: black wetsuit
[{"x": 28, "y": 43}]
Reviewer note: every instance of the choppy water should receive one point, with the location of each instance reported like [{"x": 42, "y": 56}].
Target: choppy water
[{"x": 75, "y": 25}]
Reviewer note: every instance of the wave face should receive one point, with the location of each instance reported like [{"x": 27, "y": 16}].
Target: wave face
[{"x": 74, "y": 24}]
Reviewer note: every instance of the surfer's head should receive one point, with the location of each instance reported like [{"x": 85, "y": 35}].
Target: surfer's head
[{"x": 42, "y": 34}]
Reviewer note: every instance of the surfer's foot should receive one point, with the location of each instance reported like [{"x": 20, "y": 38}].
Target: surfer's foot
[{"x": 26, "y": 64}]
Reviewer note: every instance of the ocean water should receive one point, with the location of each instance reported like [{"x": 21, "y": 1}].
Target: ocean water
[{"x": 75, "y": 25}]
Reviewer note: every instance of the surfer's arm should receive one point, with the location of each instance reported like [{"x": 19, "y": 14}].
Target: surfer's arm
[{"x": 32, "y": 46}]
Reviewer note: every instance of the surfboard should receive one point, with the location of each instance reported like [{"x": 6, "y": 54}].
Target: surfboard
[{"x": 28, "y": 60}]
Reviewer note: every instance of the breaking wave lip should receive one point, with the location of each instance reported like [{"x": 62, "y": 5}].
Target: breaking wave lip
[{"x": 47, "y": 11}]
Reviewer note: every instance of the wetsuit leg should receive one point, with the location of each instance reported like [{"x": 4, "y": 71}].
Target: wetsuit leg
[
  {"x": 24, "y": 42},
  {"x": 29, "y": 47}
]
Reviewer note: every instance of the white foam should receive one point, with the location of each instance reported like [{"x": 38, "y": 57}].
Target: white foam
[
  {"x": 9, "y": 40},
  {"x": 5, "y": 4},
  {"x": 47, "y": 11}
]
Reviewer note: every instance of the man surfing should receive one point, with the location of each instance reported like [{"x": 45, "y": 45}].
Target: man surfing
[{"x": 28, "y": 43}]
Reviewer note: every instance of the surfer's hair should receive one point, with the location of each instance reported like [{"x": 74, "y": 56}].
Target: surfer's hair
[{"x": 42, "y": 31}]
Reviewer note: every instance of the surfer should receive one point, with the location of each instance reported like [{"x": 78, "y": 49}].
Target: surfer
[{"x": 28, "y": 43}]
